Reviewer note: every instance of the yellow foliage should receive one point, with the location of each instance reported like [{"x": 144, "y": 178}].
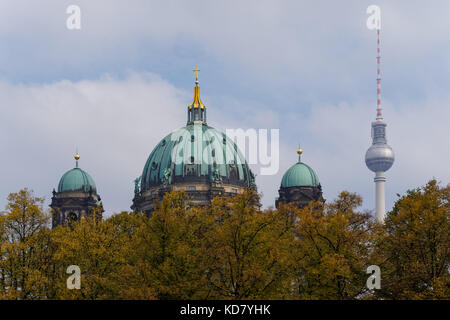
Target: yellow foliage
[{"x": 230, "y": 249}]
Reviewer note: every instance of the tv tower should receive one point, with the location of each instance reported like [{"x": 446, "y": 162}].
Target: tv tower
[{"x": 380, "y": 156}]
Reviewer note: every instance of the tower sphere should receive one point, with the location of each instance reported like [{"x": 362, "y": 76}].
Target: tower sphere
[{"x": 380, "y": 157}]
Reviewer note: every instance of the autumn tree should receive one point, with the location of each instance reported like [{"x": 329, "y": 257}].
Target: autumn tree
[
  {"x": 130, "y": 280},
  {"x": 247, "y": 249},
  {"x": 168, "y": 257},
  {"x": 331, "y": 250},
  {"x": 24, "y": 247},
  {"x": 231, "y": 249},
  {"x": 414, "y": 245},
  {"x": 98, "y": 248}
]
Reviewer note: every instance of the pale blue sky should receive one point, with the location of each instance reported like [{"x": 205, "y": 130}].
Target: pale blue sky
[{"x": 122, "y": 82}]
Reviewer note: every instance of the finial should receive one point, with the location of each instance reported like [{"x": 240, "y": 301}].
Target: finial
[
  {"x": 196, "y": 102},
  {"x": 77, "y": 157},
  {"x": 196, "y": 70},
  {"x": 299, "y": 152}
]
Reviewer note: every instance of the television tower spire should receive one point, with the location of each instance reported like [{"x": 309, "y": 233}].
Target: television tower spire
[
  {"x": 380, "y": 156},
  {"x": 379, "y": 115}
]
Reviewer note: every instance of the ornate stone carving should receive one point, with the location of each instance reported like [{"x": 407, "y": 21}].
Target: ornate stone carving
[{"x": 167, "y": 176}]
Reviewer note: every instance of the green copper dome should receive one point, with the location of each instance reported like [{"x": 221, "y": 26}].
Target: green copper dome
[
  {"x": 300, "y": 175},
  {"x": 76, "y": 180},
  {"x": 196, "y": 153}
]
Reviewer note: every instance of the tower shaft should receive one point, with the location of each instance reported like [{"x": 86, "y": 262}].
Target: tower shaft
[{"x": 380, "y": 206}]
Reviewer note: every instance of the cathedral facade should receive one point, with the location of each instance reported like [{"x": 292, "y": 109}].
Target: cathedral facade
[{"x": 196, "y": 158}]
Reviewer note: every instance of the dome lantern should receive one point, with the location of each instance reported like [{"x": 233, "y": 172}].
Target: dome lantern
[{"x": 196, "y": 110}]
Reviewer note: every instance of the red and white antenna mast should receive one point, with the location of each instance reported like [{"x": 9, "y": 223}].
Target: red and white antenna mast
[{"x": 379, "y": 115}]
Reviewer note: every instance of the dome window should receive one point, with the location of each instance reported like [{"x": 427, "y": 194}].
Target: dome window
[
  {"x": 154, "y": 165},
  {"x": 192, "y": 159},
  {"x": 213, "y": 152},
  {"x": 192, "y": 138},
  {"x": 224, "y": 140},
  {"x": 163, "y": 143}
]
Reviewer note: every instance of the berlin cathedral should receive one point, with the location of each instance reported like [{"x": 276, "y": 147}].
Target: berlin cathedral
[{"x": 196, "y": 158}]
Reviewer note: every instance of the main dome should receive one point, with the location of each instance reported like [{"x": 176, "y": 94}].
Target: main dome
[
  {"x": 76, "y": 180},
  {"x": 196, "y": 153},
  {"x": 196, "y": 159}
]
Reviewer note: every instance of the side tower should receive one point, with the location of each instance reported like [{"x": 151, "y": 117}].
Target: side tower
[
  {"x": 76, "y": 197},
  {"x": 380, "y": 156},
  {"x": 299, "y": 185}
]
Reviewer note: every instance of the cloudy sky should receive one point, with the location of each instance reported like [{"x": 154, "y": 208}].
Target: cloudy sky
[{"x": 122, "y": 82}]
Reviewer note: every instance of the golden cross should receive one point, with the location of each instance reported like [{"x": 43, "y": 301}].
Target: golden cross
[{"x": 196, "y": 70}]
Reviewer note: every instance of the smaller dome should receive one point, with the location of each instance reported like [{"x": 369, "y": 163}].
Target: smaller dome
[
  {"x": 300, "y": 175},
  {"x": 76, "y": 180}
]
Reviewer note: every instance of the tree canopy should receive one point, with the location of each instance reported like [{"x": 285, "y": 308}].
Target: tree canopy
[{"x": 231, "y": 249}]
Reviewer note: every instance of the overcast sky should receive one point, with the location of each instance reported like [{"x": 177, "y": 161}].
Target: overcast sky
[{"x": 116, "y": 87}]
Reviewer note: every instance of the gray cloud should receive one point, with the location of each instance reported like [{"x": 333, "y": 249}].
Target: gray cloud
[
  {"x": 304, "y": 67},
  {"x": 114, "y": 123}
]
